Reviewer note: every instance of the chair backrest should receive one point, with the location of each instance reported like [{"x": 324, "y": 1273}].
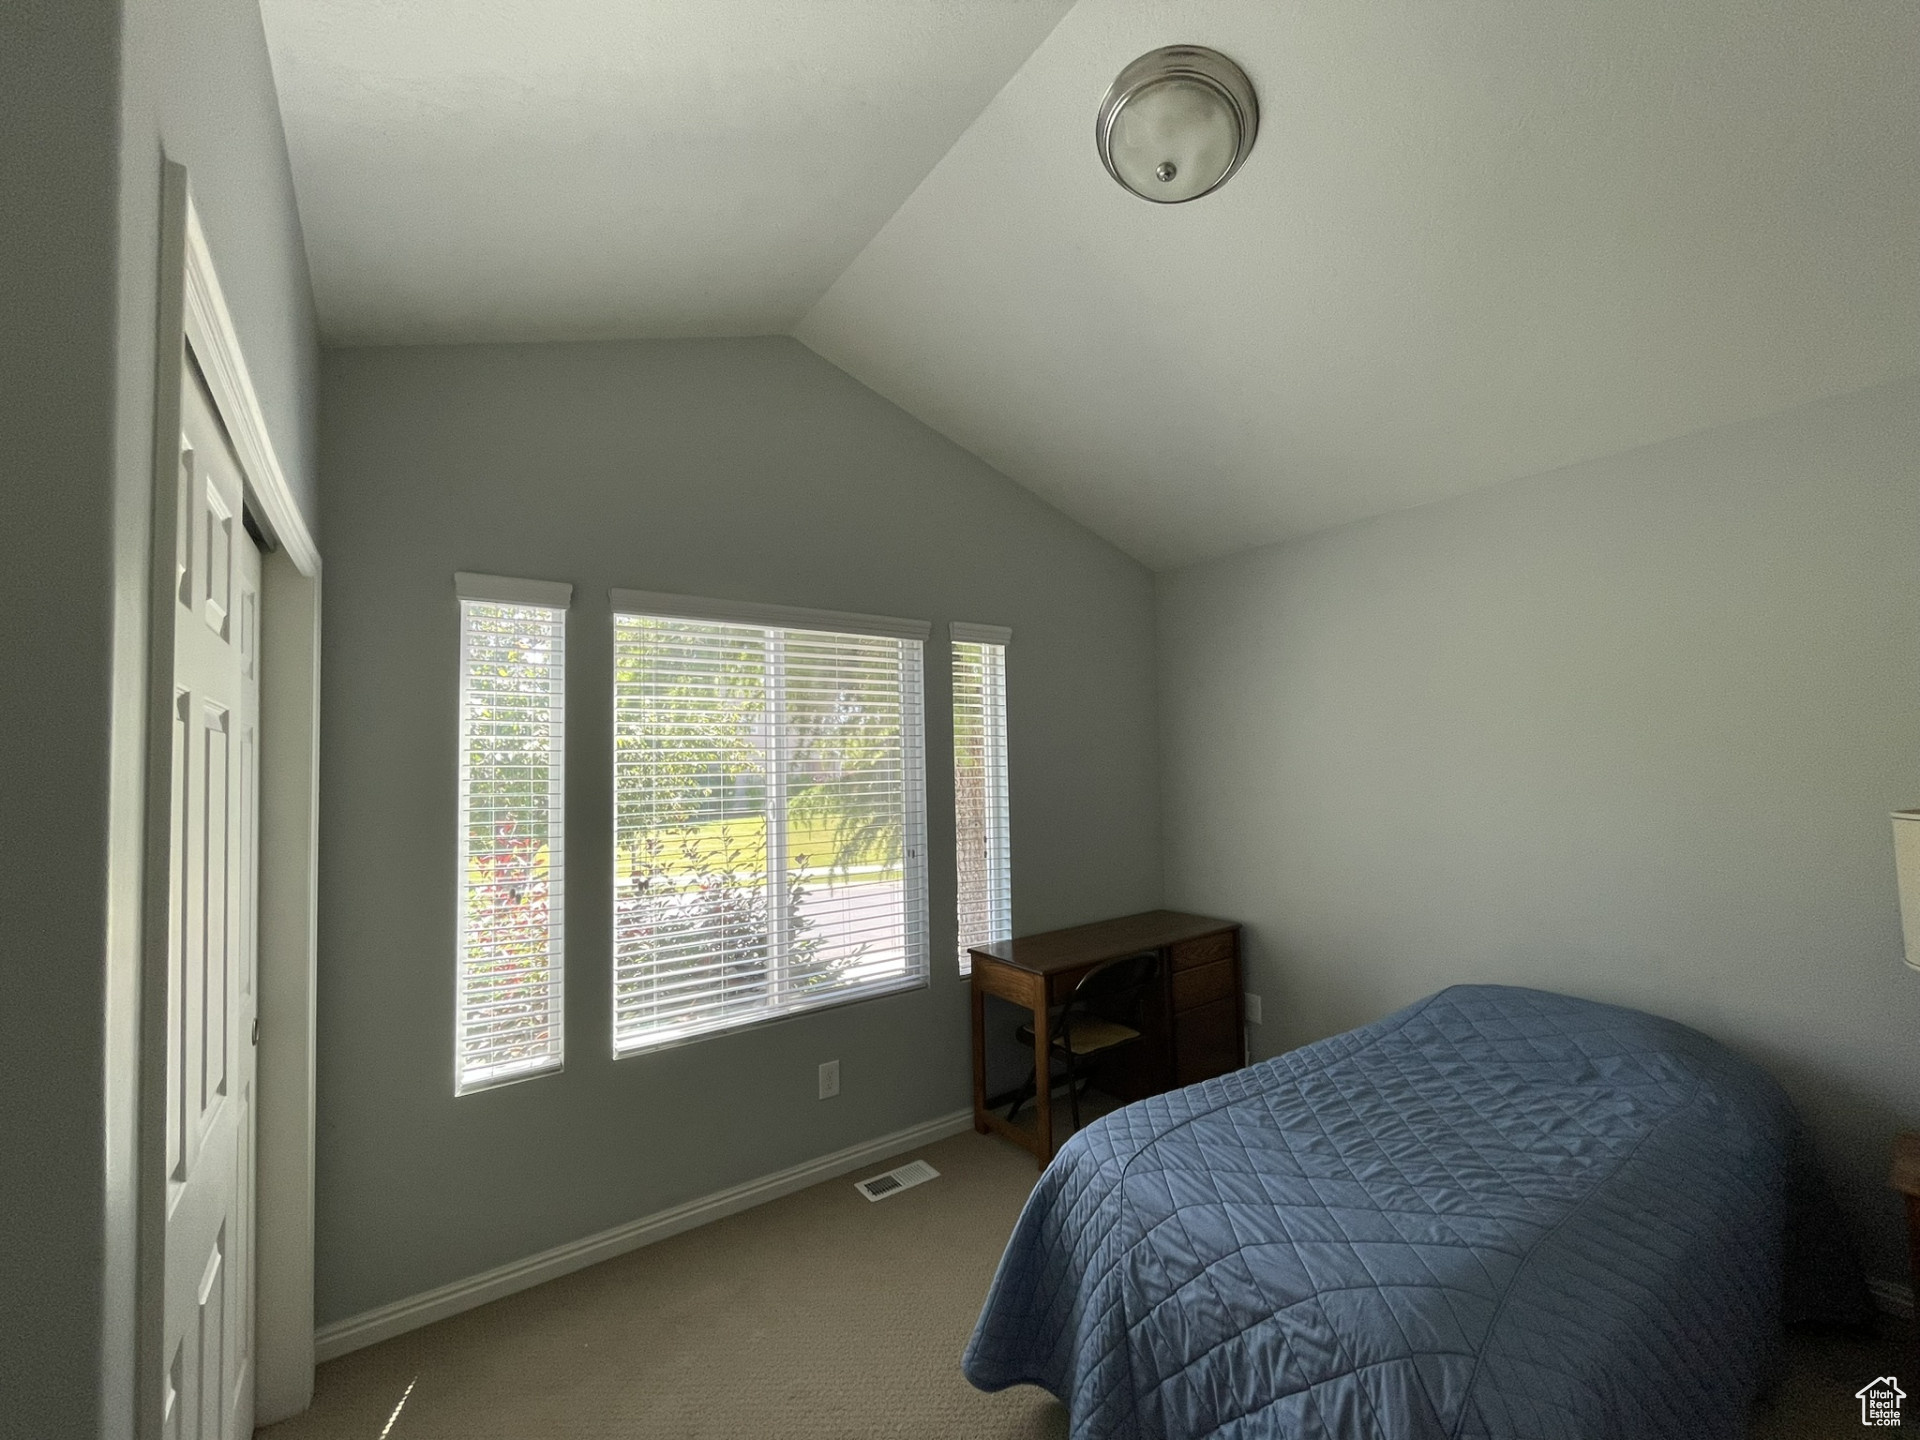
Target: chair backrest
[{"x": 1112, "y": 991}]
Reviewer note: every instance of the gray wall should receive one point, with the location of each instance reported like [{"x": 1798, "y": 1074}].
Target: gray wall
[
  {"x": 1630, "y": 730},
  {"x": 90, "y": 90},
  {"x": 746, "y": 469},
  {"x": 57, "y": 104}
]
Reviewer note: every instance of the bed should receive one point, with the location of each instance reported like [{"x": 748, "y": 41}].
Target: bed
[{"x": 1497, "y": 1213}]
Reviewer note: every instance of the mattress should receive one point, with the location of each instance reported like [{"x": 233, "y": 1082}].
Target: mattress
[{"x": 1499, "y": 1212}]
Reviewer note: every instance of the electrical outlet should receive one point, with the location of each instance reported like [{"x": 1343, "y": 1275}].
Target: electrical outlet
[
  {"x": 1253, "y": 1008},
  {"x": 829, "y": 1079}
]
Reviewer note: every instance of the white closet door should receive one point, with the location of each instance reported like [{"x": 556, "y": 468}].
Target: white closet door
[{"x": 212, "y": 955}]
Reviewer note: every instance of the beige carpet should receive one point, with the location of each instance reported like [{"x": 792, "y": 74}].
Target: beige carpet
[{"x": 821, "y": 1316}]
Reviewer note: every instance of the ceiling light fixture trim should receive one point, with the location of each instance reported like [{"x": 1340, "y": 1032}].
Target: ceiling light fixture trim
[{"x": 1176, "y": 123}]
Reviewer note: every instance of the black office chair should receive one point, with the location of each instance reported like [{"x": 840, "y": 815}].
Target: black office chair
[{"x": 1101, "y": 1016}]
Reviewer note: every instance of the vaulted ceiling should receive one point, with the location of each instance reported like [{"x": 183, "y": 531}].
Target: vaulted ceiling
[
  {"x": 538, "y": 169},
  {"x": 1474, "y": 241}
]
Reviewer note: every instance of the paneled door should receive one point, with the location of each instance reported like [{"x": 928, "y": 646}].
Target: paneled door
[{"x": 212, "y": 952}]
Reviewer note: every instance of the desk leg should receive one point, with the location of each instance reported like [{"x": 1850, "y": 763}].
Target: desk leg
[
  {"x": 979, "y": 1056},
  {"x": 1042, "y": 1075}
]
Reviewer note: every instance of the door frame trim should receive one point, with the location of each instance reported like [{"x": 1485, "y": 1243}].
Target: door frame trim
[
  {"x": 216, "y": 345},
  {"x": 193, "y": 313}
]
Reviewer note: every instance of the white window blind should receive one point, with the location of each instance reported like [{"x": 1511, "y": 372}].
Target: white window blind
[
  {"x": 770, "y": 814},
  {"x": 512, "y": 828},
  {"x": 983, "y": 855}
]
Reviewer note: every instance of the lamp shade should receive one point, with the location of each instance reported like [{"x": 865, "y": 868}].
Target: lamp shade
[{"x": 1906, "y": 856}]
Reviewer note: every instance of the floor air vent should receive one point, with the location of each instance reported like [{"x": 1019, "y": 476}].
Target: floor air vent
[{"x": 903, "y": 1177}]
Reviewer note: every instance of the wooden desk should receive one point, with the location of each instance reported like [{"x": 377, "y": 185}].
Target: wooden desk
[{"x": 1197, "y": 1034}]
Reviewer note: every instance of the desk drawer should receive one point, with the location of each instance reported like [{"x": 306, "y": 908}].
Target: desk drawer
[
  {"x": 1206, "y": 1042},
  {"x": 1192, "y": 988},
  {"x": 1190, "y": 954}
]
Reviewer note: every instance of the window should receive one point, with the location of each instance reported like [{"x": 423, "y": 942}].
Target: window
[
  {"x": 982, "y": 851},
  {"x": 513, "y": 638},
  {"x": 769, "y": 814}
]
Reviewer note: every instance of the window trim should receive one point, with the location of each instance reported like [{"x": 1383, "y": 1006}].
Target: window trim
[
  {"x": 657, "y": 606},
  {"x": 962, "y": 632},
  {"x": 647, "y": 604},
  {"x": 556, "y": 596},
  {"x": 507, "y": 590}
]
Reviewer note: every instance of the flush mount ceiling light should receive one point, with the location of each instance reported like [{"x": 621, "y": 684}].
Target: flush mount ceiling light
[{"x": 1176, "y": 123}]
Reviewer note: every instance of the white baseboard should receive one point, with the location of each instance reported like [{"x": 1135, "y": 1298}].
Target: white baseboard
[
  {"x": 373, "y": 1326},
  {"x": 1892, "y": 1297}
]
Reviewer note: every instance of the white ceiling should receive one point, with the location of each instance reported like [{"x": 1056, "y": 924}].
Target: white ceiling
[
  {"x": 1474, "y": 241},
  {"x": 522, "y": 169},
  {"x": 1477, "y": 239}
]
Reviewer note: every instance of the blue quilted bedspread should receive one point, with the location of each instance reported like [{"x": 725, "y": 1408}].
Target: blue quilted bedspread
[{"x": 1497, "y": 1213}]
